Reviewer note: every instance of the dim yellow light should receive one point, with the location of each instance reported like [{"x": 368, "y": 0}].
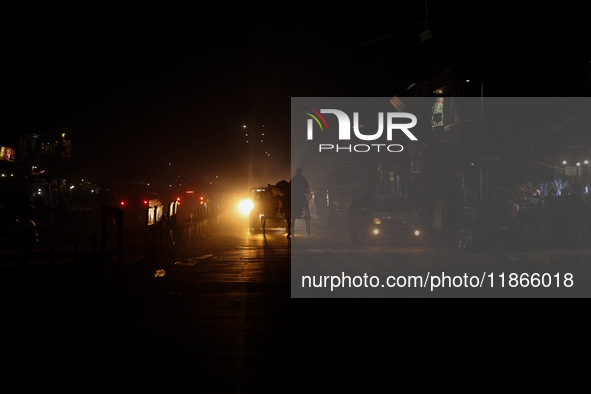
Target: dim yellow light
[{"x": 245, "y": 206}]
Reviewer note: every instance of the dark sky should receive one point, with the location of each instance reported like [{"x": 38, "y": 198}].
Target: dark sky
[
  {"x": 156, "y": 85},
  {"x": 152, "y": 86}
]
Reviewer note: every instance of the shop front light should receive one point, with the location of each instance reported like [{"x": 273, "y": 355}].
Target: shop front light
[{"x": 377, "y": 221}]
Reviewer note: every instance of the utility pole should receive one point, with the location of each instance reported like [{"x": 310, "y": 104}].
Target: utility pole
[{"x": 426, "y": 37}]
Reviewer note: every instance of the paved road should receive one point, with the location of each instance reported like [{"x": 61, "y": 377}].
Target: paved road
[
  {"x": 219, "y": 320},
  {"x": 226, "y": 304},
  {"x": 215, "y": 321}
]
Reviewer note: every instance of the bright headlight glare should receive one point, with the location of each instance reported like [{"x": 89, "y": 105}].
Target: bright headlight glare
[
  {"x": 375, "y": 231},
  {"x": 417, "y": 233},
  {"x": 245, "y": 206}
]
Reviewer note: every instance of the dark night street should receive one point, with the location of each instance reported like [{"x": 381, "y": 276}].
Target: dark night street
[
  {"x": 434, "y": 156},
  {"x": 220, "y": 319},
  {"x": 214, "y": 321}
]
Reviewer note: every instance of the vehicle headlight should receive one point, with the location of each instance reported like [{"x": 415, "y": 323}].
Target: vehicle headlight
[
  {"x": 376, "y": 231},
  {"x": 377, "y": 221},
  {"x": 245, "y": 206},
  {"x": 417, "y": 233}
]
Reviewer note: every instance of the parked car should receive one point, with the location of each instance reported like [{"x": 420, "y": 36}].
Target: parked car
[
  {"x": 396, "y": 218},
  {"x": 387, "y": 218},
  {"x": 16, "y": 232}
]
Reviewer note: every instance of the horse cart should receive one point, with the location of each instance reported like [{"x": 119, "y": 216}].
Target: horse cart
[{"x": 270, "y": 208}]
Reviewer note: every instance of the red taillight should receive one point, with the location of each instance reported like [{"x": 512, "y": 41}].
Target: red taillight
[
  {"x": 145, "y": 202},
  {"x": 122, "y": 203}
]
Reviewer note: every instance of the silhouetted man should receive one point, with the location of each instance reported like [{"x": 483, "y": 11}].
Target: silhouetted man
[{"x": 299, "y": 190}]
